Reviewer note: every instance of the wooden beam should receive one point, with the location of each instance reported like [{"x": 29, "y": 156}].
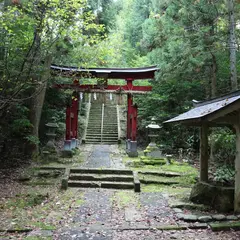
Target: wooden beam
[
  {"x": 105, "y": 89},
  {"x": 237, "y": 167},
  {"x": 204, "y": 153}
]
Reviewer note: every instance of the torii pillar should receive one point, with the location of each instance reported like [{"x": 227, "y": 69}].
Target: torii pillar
[
  {"x": 71, "y": 140},
  {"x": 74, "y": 120},
  {"x": 131, "y": 143}
]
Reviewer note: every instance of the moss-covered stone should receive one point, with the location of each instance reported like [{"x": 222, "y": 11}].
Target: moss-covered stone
[
  {"x": 225, "y": 226},
  {"x": 219, "y": 198},
  {"x": 171, "y": 228}
]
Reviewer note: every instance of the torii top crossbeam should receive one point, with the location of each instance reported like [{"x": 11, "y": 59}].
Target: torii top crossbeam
[{"x": 109, "y": 73}]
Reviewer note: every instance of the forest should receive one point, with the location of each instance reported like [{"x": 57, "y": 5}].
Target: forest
[
  {"x": 195, "y": 44},
  {"x": 182, "y": 182}
]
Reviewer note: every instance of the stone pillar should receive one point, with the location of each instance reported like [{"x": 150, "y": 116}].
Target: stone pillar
[{"x": 204, "y": 153}]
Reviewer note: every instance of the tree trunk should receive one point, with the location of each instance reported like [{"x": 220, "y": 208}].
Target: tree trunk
[
  {"x": 214, "y": 76},
  {"x": 37, "y": 103},
  {"x": 232, "y": 45}
]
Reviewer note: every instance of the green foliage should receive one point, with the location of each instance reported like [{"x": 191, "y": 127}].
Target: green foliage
[
  {"x": 224, "y": 146},
  {"x": 224, "y": 174},
  {"x": 21, "y": 126},
  {"x": 32, "y": 139}
]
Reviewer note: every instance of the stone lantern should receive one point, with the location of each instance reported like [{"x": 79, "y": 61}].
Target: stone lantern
[
  {"x": 50, "y": 151},
  {"x": 51, "y": 134},
  {"x": 153, "y": 131}
]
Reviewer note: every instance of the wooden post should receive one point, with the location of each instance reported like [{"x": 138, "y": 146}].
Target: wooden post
[
  {"x": 204, "y": 153},
  {"x": 74, "y": 115},
  {"x": 129, "y": 113},
  {"x": 237, "y": 169}
]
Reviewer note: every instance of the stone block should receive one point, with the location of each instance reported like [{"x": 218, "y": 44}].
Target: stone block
[
  {"x": 177, "y": 210},
  {"x": 232, "y": 218},
  {"x": 198, "y": 226},
  {"x": 204, "y": 219},
  {"x": 137, "y": 186},
  {"x": 65, "y": 179},
  {"x": 187, "y": 217},
  {"x": 219, "y": 198},
  {"x": 225, "y": 226},
  {"x": 67, "y": 153},
  {"x": 64, "y": 184},
  {"x": 218, "y": 217}
]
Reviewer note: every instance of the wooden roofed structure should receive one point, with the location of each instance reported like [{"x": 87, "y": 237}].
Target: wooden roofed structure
[{"x": 222, "y": 111}]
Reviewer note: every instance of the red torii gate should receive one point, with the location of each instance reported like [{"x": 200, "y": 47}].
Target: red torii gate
[{"x": 129, "y": 74}]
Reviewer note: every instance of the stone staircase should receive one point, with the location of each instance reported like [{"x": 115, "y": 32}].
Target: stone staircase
[
  {"x": 94, "y": 124},
  {"x": 101, "y": 178},
  {"x": 110, "y": 125},
  {"x": 102, "y": 124}
]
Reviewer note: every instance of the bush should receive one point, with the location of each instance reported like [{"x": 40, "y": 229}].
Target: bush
[{"x": 223, "y": 146}]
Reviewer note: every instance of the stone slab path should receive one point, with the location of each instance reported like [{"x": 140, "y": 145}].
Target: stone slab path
[
  {"x": 102, "y": 156},
  {"x": 105, "y": 214}
]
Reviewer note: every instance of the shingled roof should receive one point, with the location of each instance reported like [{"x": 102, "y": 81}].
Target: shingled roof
[
  {"x": 209, "y": 110},
  {"x": 110, "y": 73}
]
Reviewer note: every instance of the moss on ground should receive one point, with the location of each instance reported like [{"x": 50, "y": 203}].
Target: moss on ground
[
  {"x": 170, "y": 190},
  {"x": 124, "y": 198},
  {"x": 47, "y": 215},
  {"x": 24, "y": 200},
  {"x": 43, "y": 226}
]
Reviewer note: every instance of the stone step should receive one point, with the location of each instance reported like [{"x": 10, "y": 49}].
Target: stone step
[
  {"x": 162, "y": 182},
  {"x": 104, "y": 134},
  {"x": 99, "y": 135},
  {"x": 102, "y": 171},
  {"x": 93, "y": 129},
  {"x": 109, "y": 138},
  {"x": 99, "y": 177},
  {"x": 91, "y": 184},
  {"x": 93, "y": 140},
  {"x": 163, "y": 174},
  {"x": 103, "y": 143},
  {"x": 94, "y": 126},
  {"x": 110, "y": 130}
]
